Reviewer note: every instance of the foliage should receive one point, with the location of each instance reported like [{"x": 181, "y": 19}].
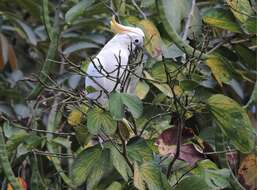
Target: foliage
[{"x": 190, "y": 124}]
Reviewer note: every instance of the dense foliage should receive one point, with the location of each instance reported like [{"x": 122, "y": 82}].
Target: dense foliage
[{"x": 190, "y": 126}]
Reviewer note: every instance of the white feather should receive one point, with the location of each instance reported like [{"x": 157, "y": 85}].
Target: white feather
[{"x": 110, "y": 64}]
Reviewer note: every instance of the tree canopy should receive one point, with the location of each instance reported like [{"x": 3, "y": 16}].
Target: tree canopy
[{"x": 190, "y": 125}]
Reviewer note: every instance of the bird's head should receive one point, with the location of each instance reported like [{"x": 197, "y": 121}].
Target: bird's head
[{"x": 132, "y": 36}]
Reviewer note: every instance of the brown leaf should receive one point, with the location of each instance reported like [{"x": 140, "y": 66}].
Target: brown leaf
[
  {"x": 1, "y": 59},
  {"x": 189, "y": 154},
  {"x": 167, "y": 143},
  {"x": 7, "y": 54},
  {"x": 12, "y": 58},
  {"x": 169, "y": 136},
  {"x": 3, "y": 51},
  {"x": 248, "y": 172}
]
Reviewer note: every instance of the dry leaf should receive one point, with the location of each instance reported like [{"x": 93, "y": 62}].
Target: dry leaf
[
  {"x": 7, "y": 54},
  {"x": 167, "y": 143},
  {"x": 22, "y": 183},
  {"x": 12, "y": 58},
  {"x": 248, "y": 172}
]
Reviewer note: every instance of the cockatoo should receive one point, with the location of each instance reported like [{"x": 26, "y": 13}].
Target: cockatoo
[{"x": 110, "y": 69}]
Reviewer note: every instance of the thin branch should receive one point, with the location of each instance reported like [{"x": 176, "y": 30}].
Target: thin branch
[
  {"x": 124, "y": 151},
  {"x": 188, "y": 21},
  {"x": 138, "y": 8},
  {"x": 51, "y": 154},
  {"x": 151, "y": 119},
  {"x": 176, "y": 156}
]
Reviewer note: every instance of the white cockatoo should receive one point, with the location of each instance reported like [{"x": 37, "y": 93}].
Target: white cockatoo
[{"x": 110, "y": 69}]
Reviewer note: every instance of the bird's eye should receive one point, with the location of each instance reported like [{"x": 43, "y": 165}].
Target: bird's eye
[{"x": 136, "y": 40}]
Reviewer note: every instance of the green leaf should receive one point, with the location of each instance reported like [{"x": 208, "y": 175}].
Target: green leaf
[
  {"x": 221, "y": 18},
  {"x": 77, "y": 10},
  {"x": 241, "y": 9},
  {"x": 84, "y": 163},
  {"x": 115, "y": 186},
  {"x": 217, "y": 179},
  {"x": 100, "y": 167},
  {"x": 147, "y": 3},
  {"x": 82, "y": 135},
  {"x": 250, "y": 25},
  {"x": 139, "y": 151},
  {"x": 138, "y": 179},
  {"x": 158, "y": 71},
  {"x": 176, "y": 11},
  {"x": 62, "y": 141},
  {"x": 151, "y": 174},
  {"x": 233, "y": 121},
  {"x": 214, "y": 177},
  {"x": 253, "y": 98},
  {"x": 33, "y": 141},
  {"x": 36, "y": 180},
  {"x": 16, "y": 139},
  {"x": 162, "y": 87},
  {"x": 28, "y": 31},
  {"x": 119, "y": 6},
  {"x": 118, "y": 100},
  {"x": 188, "y": 85},
  {"x": 31, "y": 6},
  {"x": 98, "y": 119},
  {"x": 116, "y": 106},
  {"x": 119, "y": 163},
  {"x": 133, "y": 104},
  {"x": 6, "y": 165},
  {"x": 192, "y": 183},
  {"x": 247, "y": 56}
]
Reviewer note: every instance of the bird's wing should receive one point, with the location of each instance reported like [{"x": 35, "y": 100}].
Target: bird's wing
[{"x": 106, "y": 67}]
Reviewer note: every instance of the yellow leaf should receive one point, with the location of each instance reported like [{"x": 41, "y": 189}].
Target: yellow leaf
[
  {"x": 165, "y": 88},
  {"x": 219, "y": 69},
  {"x": 152, "y": 38},
  {"x": 142, "y": 89},
  {"x": 75, "y": 117}
]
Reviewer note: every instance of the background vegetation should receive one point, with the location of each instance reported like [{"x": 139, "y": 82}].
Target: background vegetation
[{"x": 191, "y": 125}]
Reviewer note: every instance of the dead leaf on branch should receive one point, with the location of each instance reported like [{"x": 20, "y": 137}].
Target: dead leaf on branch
[
  {"x": 248, "y": 172},
  {"x": 7, "y": 54},
  {"x": 167, "y": 143}
]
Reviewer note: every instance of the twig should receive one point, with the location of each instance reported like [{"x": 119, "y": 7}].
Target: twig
[
  {"x": 37, "y": 130},
  {"x": 138, "y": 8},
  {"x": 188, "y": 21},
  {"x": 184, "y": 174},
  {"x": 51, "y": 54},
  {"x": 151, "y": 119},
  {"x": 180, "y": 43},
  {"x": 51, "y": 154},
  {"x": 176, "y": 156},
  {"x": 124, "y": 151}
]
